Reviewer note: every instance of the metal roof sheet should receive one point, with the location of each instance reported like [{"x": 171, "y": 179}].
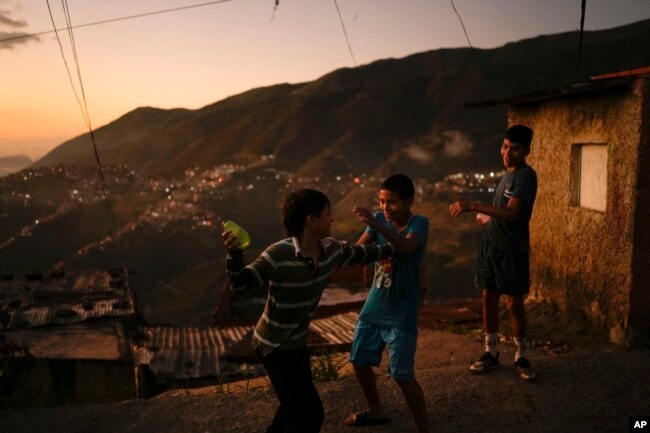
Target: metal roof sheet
[
  {"x": 597, "y": 83},
  {"x": 192, "y": 352},
  {"x": 65, "y": 299}
]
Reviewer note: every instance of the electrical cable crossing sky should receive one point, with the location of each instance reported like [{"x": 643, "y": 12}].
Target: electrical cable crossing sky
[{"x": 188, "y": 54}]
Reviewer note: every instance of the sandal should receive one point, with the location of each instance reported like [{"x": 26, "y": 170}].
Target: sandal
[{"x": 363, "y": 419}]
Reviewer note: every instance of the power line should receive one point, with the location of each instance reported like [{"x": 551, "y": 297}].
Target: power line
[
  {"x": 65, "y": 62},
  {"x": 582, "y": 30},
  {"x": 461, "y": 23},
  {"x": 112, "y": 20},
  {"x": 275, "y": 9},
  {"x": 112, "y": 225},
  {"x": 347, "y": 39}
]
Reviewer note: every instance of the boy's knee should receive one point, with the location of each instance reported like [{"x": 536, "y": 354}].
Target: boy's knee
[
  {"x": 490, "y": 296},
  {"x": 361, "y": 368},
  {"x": 514, "y": 301},
  {"x": 404, "y": 382},
  {"x": 404, "y": 376},
  {"x": 409, "y": 387}
]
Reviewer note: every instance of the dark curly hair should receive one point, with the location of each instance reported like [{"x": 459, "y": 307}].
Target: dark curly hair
[
  {"x": 298, "y": 205},
  {"x": 401, "y": 184},
  {"x": 520, "y": 134}
]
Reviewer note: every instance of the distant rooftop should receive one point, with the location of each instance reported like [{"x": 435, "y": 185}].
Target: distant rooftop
[
  {"x": 35, "y": 300},
  {"x": 595, "y": 83},
  {"x": 103, "y": 340}
]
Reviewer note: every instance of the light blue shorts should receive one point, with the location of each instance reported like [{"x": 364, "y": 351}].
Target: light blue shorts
[{"x": 368, "y": 346}]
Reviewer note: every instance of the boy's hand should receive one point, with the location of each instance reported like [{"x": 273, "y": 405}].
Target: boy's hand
[
  {"x": 364, "y": 215},
  {"x": 229, "y": 239},
  {"x": 482, "y": 219},
  {"x": 459, "y": 207}
]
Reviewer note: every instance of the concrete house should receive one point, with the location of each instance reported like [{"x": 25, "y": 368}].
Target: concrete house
[
  {"x": 76, "y": 326},
  {"x": 590, "y": 232}
]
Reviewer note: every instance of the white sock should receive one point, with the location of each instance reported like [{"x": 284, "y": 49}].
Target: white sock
[
  {"x": 491, "y": 341},
  {"x": 521, "y": 346}
]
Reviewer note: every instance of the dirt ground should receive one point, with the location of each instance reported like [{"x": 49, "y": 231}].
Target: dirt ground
[{"x": 593, "y": 389}]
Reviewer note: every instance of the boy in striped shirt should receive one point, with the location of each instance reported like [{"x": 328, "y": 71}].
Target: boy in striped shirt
[{"x": 296, "y": 271}]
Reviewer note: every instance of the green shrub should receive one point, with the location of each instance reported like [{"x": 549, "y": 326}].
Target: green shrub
[{"x": 325, "y": 368}]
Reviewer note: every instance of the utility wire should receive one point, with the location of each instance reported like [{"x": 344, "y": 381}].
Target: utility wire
[
  {"x": 369, "y": 110},
  {"x": 112, "y": 20},
  {"x": 275, "y": 9},
  {"x": 107, "y": 204},
  {"x": 357, "y": 69},
  {"x": 112, "y": 222},
  {"x": 462, "y": 24},
  {"x": 347, "y": 39},
  {"x": 582, "y": 29},
  {"x": 67, "y": 68}
]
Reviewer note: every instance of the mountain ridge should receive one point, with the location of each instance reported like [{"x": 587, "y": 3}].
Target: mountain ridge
[
  {"x": 356, "y": 120},
  {"x": 13, "y": 163}
]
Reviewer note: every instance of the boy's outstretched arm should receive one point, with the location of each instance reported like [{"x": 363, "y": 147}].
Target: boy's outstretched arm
[
  {"x": 365, "y": 238},
  {"x": 404, "y": 244},
  {"x": 508, "y": 213},
  {"x": 242, "y": 277}
]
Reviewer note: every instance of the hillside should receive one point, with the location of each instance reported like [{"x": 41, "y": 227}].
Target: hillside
[
  {"x": 171, "y": 181},
  {"x": 404, "y": 113}
]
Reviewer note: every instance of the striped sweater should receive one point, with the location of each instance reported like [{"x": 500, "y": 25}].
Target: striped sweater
[{"x": 295, "y": 285}]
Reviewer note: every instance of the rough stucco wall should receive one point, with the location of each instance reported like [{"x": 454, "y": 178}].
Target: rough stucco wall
[
  {"x": 581, "y": 259},
  {"x": 640, "y": 296}
]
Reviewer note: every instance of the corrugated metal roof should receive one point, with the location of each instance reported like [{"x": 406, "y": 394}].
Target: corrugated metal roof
[
  {"x": 335, "y": 330},
  {"x": 185, "y": 353},
  {"x": 628, "y": 73},
  {"x": 61, "y": 300},
  {"x": 597, "y": 83},
  {"x": 191, "y": 353},
  {"x": 64, "y": 314}
]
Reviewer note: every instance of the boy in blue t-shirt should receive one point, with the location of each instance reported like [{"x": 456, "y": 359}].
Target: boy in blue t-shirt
[
  {"x": 502, "y": 266},
  {"x": 390, "y": 314}
]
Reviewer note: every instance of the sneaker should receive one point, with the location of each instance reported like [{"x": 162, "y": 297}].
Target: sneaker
[
  {"x": 524, "y": 368},
  {"x": 486, "y": 363}
]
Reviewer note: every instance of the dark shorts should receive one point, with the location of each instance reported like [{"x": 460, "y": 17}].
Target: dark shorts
[{"x": 502, "y": 271}]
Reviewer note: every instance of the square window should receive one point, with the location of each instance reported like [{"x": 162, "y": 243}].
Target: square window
[{"x": 589, "y": 176}]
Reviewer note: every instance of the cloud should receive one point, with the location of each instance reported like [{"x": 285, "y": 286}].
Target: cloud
[
  {"x": 6, "y": 20},
  {"x": 8, "y": 40},
  {"x": 11, "y": 38},
  {"x": 417, "y": 153},
  {"x": 457, "y": 144}
]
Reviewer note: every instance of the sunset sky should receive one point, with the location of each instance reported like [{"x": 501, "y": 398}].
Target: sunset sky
[{"x": 196, "y": 56}]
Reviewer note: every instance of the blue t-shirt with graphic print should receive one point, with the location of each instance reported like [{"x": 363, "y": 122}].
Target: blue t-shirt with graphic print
[{"x": 394, "y": 297}]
